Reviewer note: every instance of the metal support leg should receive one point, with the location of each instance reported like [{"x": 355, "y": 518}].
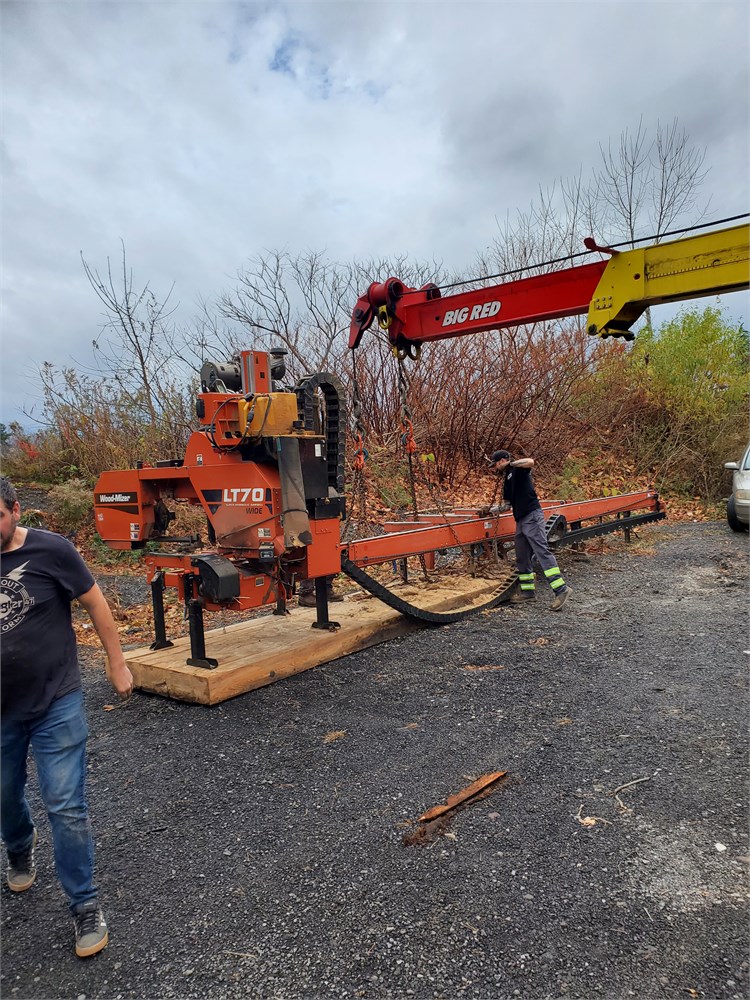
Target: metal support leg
[
  {"x": 281, "y": 608},
  {"x": 157, "y": 600},
  {"x": 198, "y": 656},
  {"x": 576, "y": 526},
  {"x": 321, "y": 606}
]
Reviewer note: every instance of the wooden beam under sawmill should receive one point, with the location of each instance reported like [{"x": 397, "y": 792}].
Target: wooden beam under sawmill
[{"x": 266, "y": 649}]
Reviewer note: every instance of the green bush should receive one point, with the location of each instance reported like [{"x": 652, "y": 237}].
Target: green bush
[
  {"x": 568, "y": 485},
  {"x": 389, "y": 477},
  {"x": 103, "y": 555},
  {"x": 73, "y": 504},
  {"x": 33, "y": 519},
  {"x": 675, "y": 404}
]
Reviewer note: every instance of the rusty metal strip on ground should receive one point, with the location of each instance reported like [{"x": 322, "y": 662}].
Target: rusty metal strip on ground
[{"x": 462, "y": 797}]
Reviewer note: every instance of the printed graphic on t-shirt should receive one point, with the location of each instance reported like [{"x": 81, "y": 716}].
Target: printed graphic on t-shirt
[{"x": 15, "y": 599}]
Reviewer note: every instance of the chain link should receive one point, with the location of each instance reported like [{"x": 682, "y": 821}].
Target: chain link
[
  {"x": 410, "y": 445},
  {"x": 359, "y": 486},
  {"x": 407, "y": 438},
  {"x": 403, "y": 391}
]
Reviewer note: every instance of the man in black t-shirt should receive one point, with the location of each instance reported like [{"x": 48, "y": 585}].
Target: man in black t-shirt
[
  {"x": 41, "y": 573},
  {"x": 531, "y": 536}
]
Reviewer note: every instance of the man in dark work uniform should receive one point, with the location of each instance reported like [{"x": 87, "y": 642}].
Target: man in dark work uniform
[{"x": 531, "y": 537}]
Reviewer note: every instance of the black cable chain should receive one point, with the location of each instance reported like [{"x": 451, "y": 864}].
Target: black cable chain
[{"x": 418, "y": 614}]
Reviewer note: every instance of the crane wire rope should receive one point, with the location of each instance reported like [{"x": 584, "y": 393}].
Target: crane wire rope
[{"x": 576, "y": 256}]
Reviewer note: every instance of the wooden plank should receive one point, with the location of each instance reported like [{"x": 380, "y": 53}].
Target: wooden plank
[{"x": 265, "y": 649}]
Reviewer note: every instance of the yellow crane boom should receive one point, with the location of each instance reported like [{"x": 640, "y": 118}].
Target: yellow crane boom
[{"x": 687, "y": 268}]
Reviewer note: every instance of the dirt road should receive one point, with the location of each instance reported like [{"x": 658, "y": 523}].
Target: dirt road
[{"x": 254, "y": 849}]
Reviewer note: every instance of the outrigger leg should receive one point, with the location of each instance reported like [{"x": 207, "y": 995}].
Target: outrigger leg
[
  {"x": 321, "y": 606},
  {"x": 157, "y": 600},
  {"x": 197, "y": 656}
]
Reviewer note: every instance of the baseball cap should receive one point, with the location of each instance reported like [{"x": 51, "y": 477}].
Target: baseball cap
[{"x": 497, "y": 456}]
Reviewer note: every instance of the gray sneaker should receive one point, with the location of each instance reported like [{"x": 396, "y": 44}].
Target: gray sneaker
[
  {"x": 21, "y": 868},
  {"x": 561, "y": 597},
  {"x": 91, "y": 929}
]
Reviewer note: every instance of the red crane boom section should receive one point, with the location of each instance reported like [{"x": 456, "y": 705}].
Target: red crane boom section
[{"x": 418, "y": 315}]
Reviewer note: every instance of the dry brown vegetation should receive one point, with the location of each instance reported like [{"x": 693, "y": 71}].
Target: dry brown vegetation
[{"x": 599, "y": 418}]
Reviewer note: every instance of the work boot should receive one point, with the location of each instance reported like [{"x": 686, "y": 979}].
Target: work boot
[
  {"x": 21, "y": 868},
  {"x": 91, "y": 929},
  {"x": 522, "y": 596},
  {"x": 561, "y": 597},
  {"x": 306, "y": 600}
]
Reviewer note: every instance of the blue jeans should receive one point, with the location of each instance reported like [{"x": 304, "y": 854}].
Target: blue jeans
[{"x": 58, "y": 739}]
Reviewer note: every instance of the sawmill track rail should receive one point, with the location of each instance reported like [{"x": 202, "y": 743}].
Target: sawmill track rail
[{"x": 558, "y": 535}]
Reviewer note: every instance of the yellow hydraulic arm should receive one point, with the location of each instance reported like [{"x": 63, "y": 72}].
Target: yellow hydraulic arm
[{"x": 688, "y": 268}]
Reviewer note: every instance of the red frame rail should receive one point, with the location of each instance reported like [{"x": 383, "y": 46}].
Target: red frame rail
[{"x": 459, "y": 528}]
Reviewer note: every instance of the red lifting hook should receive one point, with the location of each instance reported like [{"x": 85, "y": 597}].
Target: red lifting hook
[{"x": 407, "y": 438}]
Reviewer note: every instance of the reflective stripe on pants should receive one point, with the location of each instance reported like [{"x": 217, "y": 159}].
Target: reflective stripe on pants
[{"x": 554, "y": 577}]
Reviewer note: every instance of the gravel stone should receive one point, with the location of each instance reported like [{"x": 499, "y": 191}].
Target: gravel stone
[{"x": 242, "y": 856}]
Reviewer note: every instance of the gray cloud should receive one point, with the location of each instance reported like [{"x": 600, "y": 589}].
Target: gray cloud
[{"x": 202, "y": 133}]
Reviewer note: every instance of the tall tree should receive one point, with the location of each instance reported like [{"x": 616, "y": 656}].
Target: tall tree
[
  {"x": 132, "y": 346},
  {"x": 649, "y": 183},
  {"x": 131, "y": 400},
  {"x": 644, "y": 186}
]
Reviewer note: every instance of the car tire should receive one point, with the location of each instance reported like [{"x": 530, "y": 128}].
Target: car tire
[{"x": 734, "y": 523}]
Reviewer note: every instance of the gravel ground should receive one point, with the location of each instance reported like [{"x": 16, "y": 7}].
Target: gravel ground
[{"x": 242, "y": 855}]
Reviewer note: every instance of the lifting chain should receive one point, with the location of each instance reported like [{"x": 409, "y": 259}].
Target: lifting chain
[
  {"x": 499, "y": 481},
  {"x": 407, "y": 422},
  {"x": 357, "y": 429},
  {"x": 407, "y": 429},
  {"x": 410, "y": 445}
]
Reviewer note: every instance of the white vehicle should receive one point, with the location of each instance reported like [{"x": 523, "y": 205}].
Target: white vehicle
[{"x": 738, "y": 504}]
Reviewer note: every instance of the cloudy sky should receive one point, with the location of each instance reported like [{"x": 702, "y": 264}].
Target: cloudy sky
[{"x": 202, "y": 133}]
